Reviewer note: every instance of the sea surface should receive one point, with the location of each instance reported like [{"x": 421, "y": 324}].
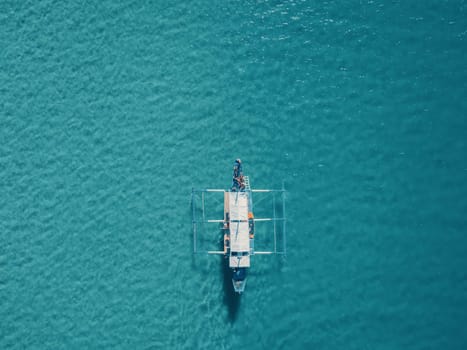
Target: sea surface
[{"x": 111, "y": 111}]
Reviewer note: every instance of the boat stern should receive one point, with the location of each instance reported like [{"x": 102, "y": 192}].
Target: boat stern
[{"x": 239, "y": 280}]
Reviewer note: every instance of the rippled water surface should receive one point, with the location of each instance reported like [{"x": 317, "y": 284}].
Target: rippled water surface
[{"x": 110, "y": 112}]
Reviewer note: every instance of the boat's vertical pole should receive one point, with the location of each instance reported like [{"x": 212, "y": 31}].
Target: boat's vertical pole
[
  {"x": 202, "y": 205},
  {"x": 274, "y": 220},
  {"x": 193, "y": 218},
  {"x": 284, "y": 219}
]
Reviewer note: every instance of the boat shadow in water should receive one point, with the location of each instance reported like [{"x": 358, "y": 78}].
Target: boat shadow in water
[{"x": 231, "y": 298}]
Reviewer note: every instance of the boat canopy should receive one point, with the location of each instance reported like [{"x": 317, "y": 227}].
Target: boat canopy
[
  {"x": 239, "y": 230},
  {"x": 238, "y": 206},
  {"x": 239, "y": 237}
]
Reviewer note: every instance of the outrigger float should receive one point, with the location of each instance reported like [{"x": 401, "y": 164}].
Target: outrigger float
[{"x": 238, "y": 224}]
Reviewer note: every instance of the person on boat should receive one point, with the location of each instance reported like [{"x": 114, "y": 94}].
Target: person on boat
[
  {"x": 226, "y": 242},
  {"x": 241, "y": 182},
  {"x": 242, "y": 186},
  {"x": 236, "y": 183},
  {"x": 237, "y": 168},
  {"x": 251, "y": 225}
]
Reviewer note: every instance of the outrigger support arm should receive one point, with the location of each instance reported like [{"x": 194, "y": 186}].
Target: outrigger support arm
[{"x": 267, "y": 190}]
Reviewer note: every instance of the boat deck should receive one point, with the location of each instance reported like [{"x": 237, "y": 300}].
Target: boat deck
[{"x": 236, "y": 208}]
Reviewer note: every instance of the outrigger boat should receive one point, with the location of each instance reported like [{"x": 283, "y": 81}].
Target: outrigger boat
[{"x": 238, "y": 224}]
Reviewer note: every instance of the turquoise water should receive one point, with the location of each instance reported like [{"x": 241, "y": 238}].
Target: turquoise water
[{"x": 110, "y": 112}]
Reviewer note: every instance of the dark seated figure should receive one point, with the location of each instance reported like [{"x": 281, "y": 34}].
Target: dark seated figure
[
  {"x": 238, "y": 181},
  {"x": 237, "y": 168}
]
